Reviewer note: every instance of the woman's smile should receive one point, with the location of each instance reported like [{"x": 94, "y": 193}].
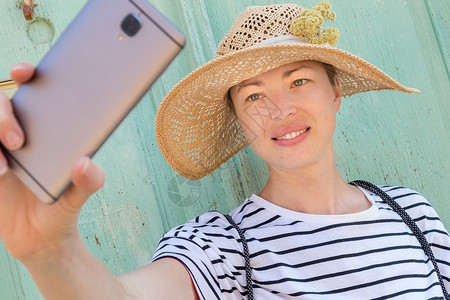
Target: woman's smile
[{"x": 292, "y": 137}]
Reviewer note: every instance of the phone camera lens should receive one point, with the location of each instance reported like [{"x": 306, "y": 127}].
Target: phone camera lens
[{"x": 131, "y": 24}]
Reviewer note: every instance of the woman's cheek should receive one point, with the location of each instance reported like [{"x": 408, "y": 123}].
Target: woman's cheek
[{"x": 251, "y": 125}]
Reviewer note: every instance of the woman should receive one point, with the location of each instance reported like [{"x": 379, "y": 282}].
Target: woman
[
  {"x": 306, "y": 230},
  {"x": 308, "y": 234}
]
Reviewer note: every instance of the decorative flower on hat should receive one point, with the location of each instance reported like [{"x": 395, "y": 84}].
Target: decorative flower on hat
[{"x": 309, "y": 25}]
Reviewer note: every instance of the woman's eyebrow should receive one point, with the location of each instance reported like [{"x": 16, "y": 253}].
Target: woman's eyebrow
[
  {"x": 249, "y": 83},
  {"x": 286, "y": 74},
  {"x": 289, "y": 72}
]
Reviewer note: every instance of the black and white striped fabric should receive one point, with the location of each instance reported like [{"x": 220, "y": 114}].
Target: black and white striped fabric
[{"x": 366, "y": 255}]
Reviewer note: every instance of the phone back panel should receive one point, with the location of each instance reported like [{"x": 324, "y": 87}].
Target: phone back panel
[{"x": 86, "y": 84}]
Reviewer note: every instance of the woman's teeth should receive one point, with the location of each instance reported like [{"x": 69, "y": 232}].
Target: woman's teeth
[{"x": 291, "y": 135}]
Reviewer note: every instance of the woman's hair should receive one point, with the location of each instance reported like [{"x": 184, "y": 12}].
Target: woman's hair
[{"x": 331, "y": 73}]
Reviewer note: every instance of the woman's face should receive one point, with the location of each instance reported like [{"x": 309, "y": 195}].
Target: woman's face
[{"x": 289, "y": 114}]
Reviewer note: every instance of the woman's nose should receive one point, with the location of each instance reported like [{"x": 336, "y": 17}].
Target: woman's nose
[{"x": 282, "y": 104}]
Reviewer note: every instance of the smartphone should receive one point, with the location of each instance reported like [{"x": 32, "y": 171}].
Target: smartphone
[{"x": 97, "y": 71}]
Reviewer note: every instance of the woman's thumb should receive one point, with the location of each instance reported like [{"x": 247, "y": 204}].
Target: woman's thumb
[{"x": 87, "y": 178}]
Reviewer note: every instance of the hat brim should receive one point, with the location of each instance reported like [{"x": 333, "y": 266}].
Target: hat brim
[{"x": 196, "y": 130}]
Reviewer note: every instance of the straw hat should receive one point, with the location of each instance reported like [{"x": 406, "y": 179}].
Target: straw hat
[{"x": 196, "y": 130}]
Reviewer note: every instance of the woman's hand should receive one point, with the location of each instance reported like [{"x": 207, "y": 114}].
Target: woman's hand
[
  {"x": 45, "y": 237},
  {"x": 31, "y": 230}
]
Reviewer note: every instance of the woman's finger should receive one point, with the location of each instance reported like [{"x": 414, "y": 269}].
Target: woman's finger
[
  {"x": 22, "y": 72},
  {"x": 87, "y": 178},
  {"x": 11, "y": 135},
  {"x": 3, "y": 164}
]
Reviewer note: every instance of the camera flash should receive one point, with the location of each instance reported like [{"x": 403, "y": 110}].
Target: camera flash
[{"x": 120, "y": 37}]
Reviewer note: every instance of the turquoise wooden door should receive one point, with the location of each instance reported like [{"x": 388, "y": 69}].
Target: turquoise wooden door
[{"x": 385, "y": 137}]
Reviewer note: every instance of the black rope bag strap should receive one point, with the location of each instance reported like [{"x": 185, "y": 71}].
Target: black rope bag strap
[
  {"x": 408, "y": 221},
  {"x": 248, "y": 270}
]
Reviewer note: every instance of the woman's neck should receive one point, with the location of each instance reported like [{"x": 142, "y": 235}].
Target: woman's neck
[{"x": 316, "y": 189}]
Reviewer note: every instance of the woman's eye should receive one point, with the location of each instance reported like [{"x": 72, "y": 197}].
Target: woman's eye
[
  {"x": 299, "y": 82},
  {"x": 254, "y": 97}
]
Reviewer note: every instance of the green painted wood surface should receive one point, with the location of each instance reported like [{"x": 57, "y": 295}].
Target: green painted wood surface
[{"x": 385, "y": 137}]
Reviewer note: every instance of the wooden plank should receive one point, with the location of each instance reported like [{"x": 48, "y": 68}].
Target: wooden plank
[
  {"x": 438, "y": 12},
  {"x": 23, "y": 40},
  {"x": 438, "y": 37},
  {"x": 10, "y": 287}
]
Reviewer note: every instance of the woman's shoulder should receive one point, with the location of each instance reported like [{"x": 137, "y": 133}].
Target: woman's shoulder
[
  {"x": 412, "y": 201},
  {"x": 212, "y": 222},
  {"x": 405, "y": 196}
]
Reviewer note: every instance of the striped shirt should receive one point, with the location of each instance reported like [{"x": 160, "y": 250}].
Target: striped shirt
[{"x": 366, "y": 255}]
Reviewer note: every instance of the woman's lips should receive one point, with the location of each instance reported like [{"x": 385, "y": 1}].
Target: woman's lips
[{"x": 292, "y": 137}]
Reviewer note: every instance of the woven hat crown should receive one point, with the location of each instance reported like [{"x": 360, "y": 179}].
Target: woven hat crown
[{"x": 256, "y": 24}]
